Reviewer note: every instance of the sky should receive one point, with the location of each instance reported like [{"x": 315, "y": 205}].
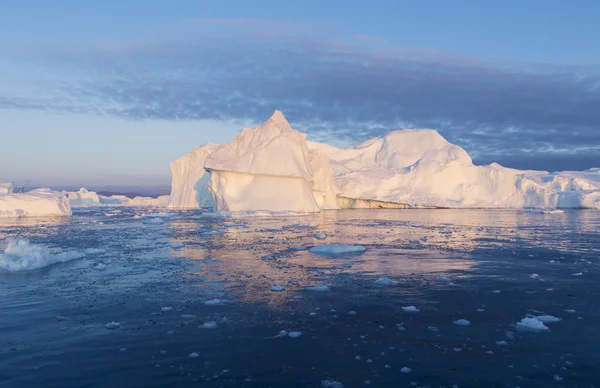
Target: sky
[{"x": 108, "y": 93}]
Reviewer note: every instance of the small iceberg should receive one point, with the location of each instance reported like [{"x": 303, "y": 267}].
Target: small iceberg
[
  {"x": 462, "y": 322},
  {"x": 385, "y": 281},
  {"x": 336, "y": 249},
  {"x": 21, "y": 255},
  {"x": 410, "y": 309},
  {"x": 112, "y": 325},
  {"x": 531, "y": 324},
  {"x": 208, "y": 325},
  {"x": 331, "y": 384},
  {"x": 214, "y": 302},
  {"x": 548, "y": 318},
  {"x": 317, "y": 288}
]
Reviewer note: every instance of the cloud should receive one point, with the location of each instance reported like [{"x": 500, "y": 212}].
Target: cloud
[{"x": 521, "y": 115}]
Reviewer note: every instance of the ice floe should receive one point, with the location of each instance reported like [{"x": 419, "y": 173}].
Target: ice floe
[
  {"x": 21, "y": 255},
  {"x": 336, "y": 249}
]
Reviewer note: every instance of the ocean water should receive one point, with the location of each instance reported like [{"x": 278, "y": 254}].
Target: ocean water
[{"x": 185, "y": 299}]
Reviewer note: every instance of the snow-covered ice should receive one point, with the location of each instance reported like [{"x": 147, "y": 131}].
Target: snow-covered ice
[{"x": 21, "y": 255}]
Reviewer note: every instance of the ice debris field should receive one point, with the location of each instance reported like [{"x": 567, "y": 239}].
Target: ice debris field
[{"x": 354, "y": 298}]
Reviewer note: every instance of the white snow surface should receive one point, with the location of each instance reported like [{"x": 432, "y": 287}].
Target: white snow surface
[
  {"x": 35, "y": 203},
  {"x": 21, "y": 255}
]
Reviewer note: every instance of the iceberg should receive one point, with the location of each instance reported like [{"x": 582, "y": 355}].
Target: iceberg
[
  {"x": 6, "y": 188},
  {"x": 35, "y": 203},
  {"x": 189, "y": 180},
  {"x": 266, "y": 168},
  {"x": 273, "y": 168},
  {"x": 84, "y": 197},
  {"x": 420, "y": 168}
]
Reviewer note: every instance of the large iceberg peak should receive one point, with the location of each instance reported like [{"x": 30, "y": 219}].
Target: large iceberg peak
[{"x": 272, "y": 148}]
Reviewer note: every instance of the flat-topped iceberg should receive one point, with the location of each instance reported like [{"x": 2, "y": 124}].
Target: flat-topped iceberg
[
  {"x": 84, "y": 197},
  {"x": 266, "y": 168},
  {"x": 35, "y": 203}
]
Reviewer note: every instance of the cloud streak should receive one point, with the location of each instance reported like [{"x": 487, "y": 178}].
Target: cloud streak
[{"x": 525, "y": 116}]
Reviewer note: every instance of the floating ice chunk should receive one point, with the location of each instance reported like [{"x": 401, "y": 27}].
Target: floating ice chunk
[
  {"x": 193, "y": 355},
  {"x": 331, "y": 384},
  {"x": 531, "y": 324},
  {"x": 166, "y": 308},
  {"x": 578, "y": 274},
  {"x": 101, "y": 266},
  {"x": 188, "y": 316},
  {"x": 501, "y": 343},
  {"x": 214, "y": 302},
  {"x": 384, "y": 281},
  {"x": 534, "y": 276},
  {"x": 320, "y": 236},
  {"x": 462, "y": 322},
  {"x": 457, "y": 350},
  {"x": 211, "y": 232},
  {"x": 177, "y": 245},
  {"x": 277, "y": 288},
  {"x": 267, "y": 258},
  {"x": 20, "y": 255},
  {"x": 112, "y": 325},
  {"x": 336, "y": 249},
  {"x": 442, "y": 279},
  {"x": 410, "y": 309},
  {"x": 209, "y": 325},
  {"x": 351, "y": 312},
  {"x": 294, "y": 334},
  {"x": 557, "y": 378},
  {"x": 369, "y": 361},
  {"x": 570, "y": 311},
  {"x": 406, "y": 370},
  {"x": 283, "y": 333},
  {"x": 548, "y": 318},
  {"x": 93, "y": 251},
  {"x": 510, "y": 335},
  {"x": 317, "y": 288},
  {"x": 313, "y": 314},
  {"x": 433, "y": 328}
]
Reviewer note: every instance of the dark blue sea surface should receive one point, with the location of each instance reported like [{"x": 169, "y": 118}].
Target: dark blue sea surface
[{"x": 184, "y": 299}]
